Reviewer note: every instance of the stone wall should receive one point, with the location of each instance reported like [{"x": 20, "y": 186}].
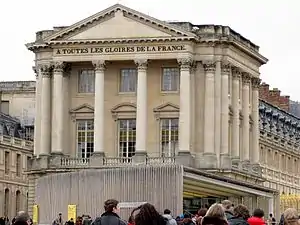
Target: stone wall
[{"x": 274, "y": 97}]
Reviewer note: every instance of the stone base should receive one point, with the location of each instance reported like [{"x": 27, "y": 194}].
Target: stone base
[
  {"x": 57, "y": 153},
  {"x": 225, "y": 161},
  {"x": 97, "y": 159},
  {"x": 207, "y": 161},
  {"x": 42, "y": 162},
  {"x": 185, "y": 158},
  {"x": 139, "y": 157}
]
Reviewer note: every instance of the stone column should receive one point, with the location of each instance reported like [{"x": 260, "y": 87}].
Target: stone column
[
  {"x": 185, "y": 106},
  {"x": 37, "y": 120},
  {"x": 235, "y": 149},
  {"x": 218, "y": 111},
  {"x": 255, "y": 118},
  {"x": 209, "y": 116},
  {"x": 225, "y": 156},
  {"x": 99, "y": 114},
  {"x": 58, "y": 108},
  {"x": 245, "y": 111},
  {"x": 46, "y": 71},
  {"x": 141, "y": 111}
]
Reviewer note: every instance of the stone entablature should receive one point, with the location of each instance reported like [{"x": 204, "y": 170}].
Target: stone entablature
[{"x": 17, "y": 86}]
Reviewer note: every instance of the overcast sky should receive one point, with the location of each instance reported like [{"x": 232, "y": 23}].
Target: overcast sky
[{"x": 273, "y": 25}]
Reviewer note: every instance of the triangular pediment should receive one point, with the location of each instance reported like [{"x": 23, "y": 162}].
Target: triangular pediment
[
  {"x": 118, "y": 22},
  {"x": 166, "y": 107},
  {"x": 84, "y": 108},
  {"x": 124, "y": 107}
]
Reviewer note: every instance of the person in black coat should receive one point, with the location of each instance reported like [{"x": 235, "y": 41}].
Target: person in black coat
[{"x": 110, "y": 216}]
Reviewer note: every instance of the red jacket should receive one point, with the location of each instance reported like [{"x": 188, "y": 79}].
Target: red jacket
[{"x": 256, "y": 221}]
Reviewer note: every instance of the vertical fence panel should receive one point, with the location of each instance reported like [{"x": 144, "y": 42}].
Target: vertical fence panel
[{"x": 88, "y": 189}]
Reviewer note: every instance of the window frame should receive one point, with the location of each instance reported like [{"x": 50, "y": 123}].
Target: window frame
[
  {"x": 120, "y": 81},
  {"x": 120, "y": 154},
  {"x": 162, "y": 80},
  {"x": 18, "y": 165},
  {"x": 7, "y": 165},
  {"x": 78, "y": 82},
  {"x": 86, "y": 137},
  {"x": 169, "y": 153}
]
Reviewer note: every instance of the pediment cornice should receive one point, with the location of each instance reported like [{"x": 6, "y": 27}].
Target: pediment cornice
[
  {"x": 84, "y": 108},
  {"x": 128, "y": 13}
]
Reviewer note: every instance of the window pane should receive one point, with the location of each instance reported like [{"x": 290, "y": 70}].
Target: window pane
[
  {"x": 170, "y": 79},
  {"x": 127, "y": 138},
  {"x": 169, "y": 136},
  {"x": 86, "y": 81},
  {"x": 85, "y": 138},
  {"x": 128, "y": 80}
]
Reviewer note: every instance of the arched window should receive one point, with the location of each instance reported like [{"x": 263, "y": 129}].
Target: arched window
[
  {"x": 18, "y": 201},
  {"x": 6, "y": 202}
]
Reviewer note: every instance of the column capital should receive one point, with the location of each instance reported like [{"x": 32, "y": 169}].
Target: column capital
[
  {"x": 209, "y": 66},
  {"x": 246, "y": 78},
  {"x": 46, "y": 70},
  {"x": 141, "y": 64},
  {"x": 236, "y": 73},
  {"x": 185, "y": 63},
  {"x": 99, "y": 65},
  {"x": 255, "y": 82},
  {"x": 59, "y": 66},
  {"x": 225, "y": 67}
]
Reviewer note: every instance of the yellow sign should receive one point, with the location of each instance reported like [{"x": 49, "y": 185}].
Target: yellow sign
[
  {"x": 35, "y": 212},
  {"x": 72, "y": 212}
]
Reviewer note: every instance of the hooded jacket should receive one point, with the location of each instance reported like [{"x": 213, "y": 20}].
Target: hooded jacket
[
  {"x": 211, "y": 220},
  {"x": 170, "y": 219}
]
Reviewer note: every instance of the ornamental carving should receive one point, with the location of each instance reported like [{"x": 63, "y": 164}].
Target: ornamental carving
[
  {"x": 141, "y": 64},
  {"x": 209, "y": 66},
  {"x": 59, "y": 67},
  {"x": 99, "y": 65},
  {"x": 236, "y": 73},
  {"x": 278, "y": 124},
  {"x": 185, "y": 63},
  {"x": 246, "y": 78},
  {"x": 255, "y": 82},
  {"x": 46, "y": 70},
  {"x": 225, "y": 67},
  {"x": 35, "y": 70}
]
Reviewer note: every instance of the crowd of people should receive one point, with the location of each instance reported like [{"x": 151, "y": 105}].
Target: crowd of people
[{"x": 224, "y": 213}]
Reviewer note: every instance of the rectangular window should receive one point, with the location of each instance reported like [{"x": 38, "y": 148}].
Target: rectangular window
[
  {"x": 128, "y": 80},
  {"x": 18, "y": 165},
  {"x": 85, "y": 138},
  {"x": 127, "y": 138},
  {"x": 7, "y": 163},
  {"x": 5, "y": 107},
  {"x": 170, "y": 79},
  {"x": 86, "y": 81},
  {"x": 169, "y": 137}
]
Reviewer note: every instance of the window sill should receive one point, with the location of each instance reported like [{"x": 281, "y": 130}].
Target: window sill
[
  {"x": 92, "y": 94},
  {"x": 127, "y": 93},
  {"x": 169, "y": 92}
]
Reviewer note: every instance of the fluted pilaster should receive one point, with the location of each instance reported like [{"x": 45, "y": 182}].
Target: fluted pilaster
[
  {"x": 99, "y": 125},
  {"x": 245, "y": 112},
  {"x": 185, "y": 105},
  {"x": 235, "y": 149},
  {"x": 225, "y": 155},
  {"x": 58, "y": 108},
  {"x": 141, "y": 111},
  {"x": 255, "y": 117},
  {"x": 46, "y": 72}
]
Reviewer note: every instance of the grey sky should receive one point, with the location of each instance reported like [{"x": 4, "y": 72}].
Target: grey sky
[{"x": 273, "y": 25}]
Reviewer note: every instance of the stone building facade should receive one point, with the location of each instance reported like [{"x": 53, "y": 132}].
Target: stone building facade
[
  {"x": 18, "y": 101},
  {"x": 122, "y": 89},
  {"x": 14, "y": 155}
]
